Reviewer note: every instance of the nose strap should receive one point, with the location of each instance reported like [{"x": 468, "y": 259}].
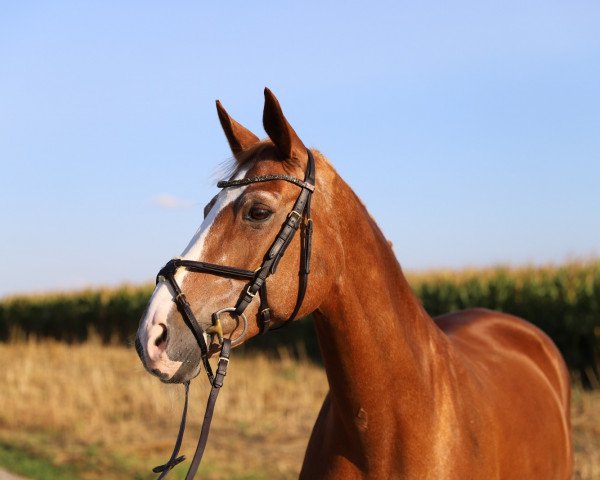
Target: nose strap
[{"x": 203, "y": 267}]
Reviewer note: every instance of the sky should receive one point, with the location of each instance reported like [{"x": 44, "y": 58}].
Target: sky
[{"x": 471, "y": 130}]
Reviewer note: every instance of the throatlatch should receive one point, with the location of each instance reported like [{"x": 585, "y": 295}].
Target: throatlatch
[{"x": 300, "y": 215}]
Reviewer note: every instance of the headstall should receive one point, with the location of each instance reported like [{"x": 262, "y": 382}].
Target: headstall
[{"x": 299, "y": 215}]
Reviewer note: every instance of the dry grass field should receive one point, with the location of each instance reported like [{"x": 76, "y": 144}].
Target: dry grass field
[{"x": 92, "y": 412}]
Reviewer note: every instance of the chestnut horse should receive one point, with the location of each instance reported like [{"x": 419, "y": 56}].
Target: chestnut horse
[{"x": 474, "y": 394}]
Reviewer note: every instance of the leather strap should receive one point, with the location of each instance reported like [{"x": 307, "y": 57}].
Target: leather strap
[
  {"x": 190, "y": 320},
  {"x": 210, "y": 408},
  {"x": 264, "y": 311},
  {"x": 203, "y": 267},
  {"x": 174, "y": 460},
  {"x": 304, "y": 267},
  {"x": 264, "y": 178},
  {"x": 217, "y": 383}
]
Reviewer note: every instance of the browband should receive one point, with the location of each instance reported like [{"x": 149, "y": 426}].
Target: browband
[{"x": 265, "y": 178}]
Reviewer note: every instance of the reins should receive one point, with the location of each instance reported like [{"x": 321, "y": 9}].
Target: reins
[{"x": 299, "y": 215}]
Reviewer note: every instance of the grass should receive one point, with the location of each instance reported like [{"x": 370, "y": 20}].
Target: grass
[
  {"x": 585, "y": 418},
  {"x": 87, "y": 411},
  {"x": 94, "y": 409},
  {"x": 25, "y": 463}
]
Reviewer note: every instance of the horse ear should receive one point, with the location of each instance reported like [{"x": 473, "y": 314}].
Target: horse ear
[
  {"x": 238, "y": 136},
  {"x": 279, "y": 130}
]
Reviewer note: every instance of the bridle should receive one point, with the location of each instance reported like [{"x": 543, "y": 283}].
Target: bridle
[{"x": 299, "y": 215}]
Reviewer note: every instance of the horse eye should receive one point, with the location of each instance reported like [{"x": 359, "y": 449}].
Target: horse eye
[{"x": 259, "y": 213}]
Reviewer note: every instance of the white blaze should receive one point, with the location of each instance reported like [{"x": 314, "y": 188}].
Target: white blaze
[
  {"x": 195, "y": 248},
  {"x": 161, "y": 301}
]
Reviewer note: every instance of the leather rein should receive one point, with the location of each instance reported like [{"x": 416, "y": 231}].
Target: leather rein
[{"x": 299, "y": 215}]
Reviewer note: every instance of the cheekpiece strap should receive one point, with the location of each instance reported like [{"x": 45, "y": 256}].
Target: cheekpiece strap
[{"x": 300, "y": 211}]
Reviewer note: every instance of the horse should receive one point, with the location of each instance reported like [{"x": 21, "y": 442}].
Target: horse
[{"x": 474, "y": 394}]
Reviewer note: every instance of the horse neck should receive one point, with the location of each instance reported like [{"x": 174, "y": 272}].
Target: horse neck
[{"x": 379, "y": 346}]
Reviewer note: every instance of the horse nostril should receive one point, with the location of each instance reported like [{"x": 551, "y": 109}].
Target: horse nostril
[
  {"x": 162, "y": 338},
  {"x": 156, "y": 345}
]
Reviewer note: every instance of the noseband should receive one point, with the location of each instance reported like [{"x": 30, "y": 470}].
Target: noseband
[{"x": 299, "y": 215}]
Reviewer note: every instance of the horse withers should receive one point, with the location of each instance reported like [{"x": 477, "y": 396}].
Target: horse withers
[{"x": 474, "y": 394}]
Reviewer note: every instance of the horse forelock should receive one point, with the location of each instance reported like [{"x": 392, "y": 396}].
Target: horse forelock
[{"x": 264, "y": 150}]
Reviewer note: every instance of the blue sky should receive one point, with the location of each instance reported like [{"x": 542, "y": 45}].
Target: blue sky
[{"x": 470, "y": 129}]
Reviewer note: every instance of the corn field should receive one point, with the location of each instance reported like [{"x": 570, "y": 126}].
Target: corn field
[{"x": 564, "y": 301}]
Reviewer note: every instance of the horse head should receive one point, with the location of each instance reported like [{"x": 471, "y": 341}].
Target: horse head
[{"x": 239, "y": 228}]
